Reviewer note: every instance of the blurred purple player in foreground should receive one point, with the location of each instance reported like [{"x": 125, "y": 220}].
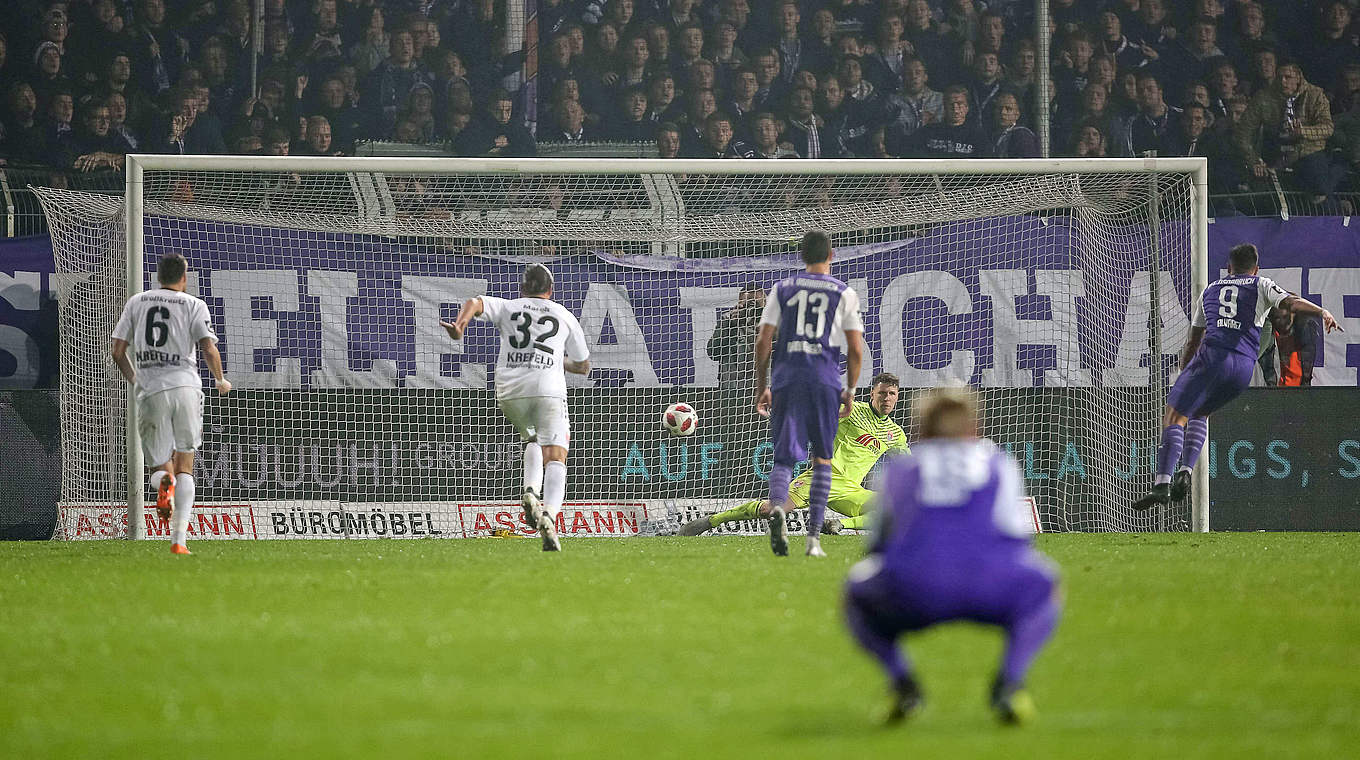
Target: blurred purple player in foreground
[
  {"x": 1227, "y": 321},
  {"x": 952, "y": 544}
]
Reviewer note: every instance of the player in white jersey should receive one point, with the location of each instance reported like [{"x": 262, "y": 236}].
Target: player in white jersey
[
  {"x": 540, "y": 340},
  {"x": 164, "y": 327}
]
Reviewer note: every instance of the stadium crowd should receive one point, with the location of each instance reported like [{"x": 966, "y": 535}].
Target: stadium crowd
[{"x": 1263, "y": 89}]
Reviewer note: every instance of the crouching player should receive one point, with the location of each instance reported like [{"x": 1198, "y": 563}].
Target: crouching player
[
  {"x": 862, "y": 438},
  {"x": 950, "y": 544}
]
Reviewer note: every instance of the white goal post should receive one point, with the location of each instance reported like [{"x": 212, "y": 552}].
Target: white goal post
[{"x": 1058, "y": 287}]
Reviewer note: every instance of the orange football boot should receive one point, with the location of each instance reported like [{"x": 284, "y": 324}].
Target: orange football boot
[
  {"x": 165, "y": 497},
  {"x": 179, "y": 549}
]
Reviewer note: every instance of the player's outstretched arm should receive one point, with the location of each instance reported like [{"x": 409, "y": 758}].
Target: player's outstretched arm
[
  {"x": 854, "y": 358},
  {"x": 1304, "y": 306},
  {"x": 120, "y": 358},
  {"x": 577, "y": 368},
  {"x": 471, "y": 308},
  {"x": 764, "y": 342},
  {"x": 214, "y": 359}
]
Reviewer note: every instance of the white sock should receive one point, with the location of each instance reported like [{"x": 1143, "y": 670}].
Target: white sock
[
  {"x": 533, "y": 467},
  {"x": 554, "y": 487},
  {"x": 184, "y": 505},
  {"x": 1160, "y": 479},
  {"x": 156, "y": 477}
]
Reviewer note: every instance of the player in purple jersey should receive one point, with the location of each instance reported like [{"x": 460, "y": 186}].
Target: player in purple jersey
[
  {"x": 818, "y": 321},
  {"x": 951, "y": 544},
  {"x": 1216, "y": 364}
]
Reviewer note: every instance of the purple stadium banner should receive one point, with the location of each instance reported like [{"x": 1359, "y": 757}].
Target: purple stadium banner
[
  {"x": 316, "y": 325},
  {"x": 28, "y": 314}
]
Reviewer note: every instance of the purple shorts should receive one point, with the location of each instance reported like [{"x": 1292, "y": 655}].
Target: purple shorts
[
  {"x": 916, "y": 593},
  {"x": 1210, "y": 381},
  {"x": 804, "y": 413}
]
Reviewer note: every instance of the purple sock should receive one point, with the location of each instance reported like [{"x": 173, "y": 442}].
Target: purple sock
[
  {"x": 883, "y": 648},
  {"x": 1169, "y": 453},
  {"x": 1024, "y": 638},
  {"x": 817, "y": 496},
  {"x": 1196, "y": 432},
  {"x": 779, "y": 484}
]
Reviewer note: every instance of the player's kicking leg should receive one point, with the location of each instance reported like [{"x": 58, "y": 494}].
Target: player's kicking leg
[
  {"x": 1196, "y": 433},
  {"x": 554, "y": 431},
  {"x": 1168, "y": 456}
]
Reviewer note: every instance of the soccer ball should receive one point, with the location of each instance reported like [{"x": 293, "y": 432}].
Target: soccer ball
[{"x": 680, "y": 419}]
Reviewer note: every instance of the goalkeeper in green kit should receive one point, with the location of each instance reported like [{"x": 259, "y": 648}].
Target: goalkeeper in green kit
[{"x": 862, "y": 438}]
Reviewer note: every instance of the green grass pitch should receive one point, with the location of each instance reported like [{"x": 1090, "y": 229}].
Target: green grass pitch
[{"x": 1172, "y": 646}]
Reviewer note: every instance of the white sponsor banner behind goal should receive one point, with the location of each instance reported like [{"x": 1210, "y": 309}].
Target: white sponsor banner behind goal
[{"x": 443, "y": 519}]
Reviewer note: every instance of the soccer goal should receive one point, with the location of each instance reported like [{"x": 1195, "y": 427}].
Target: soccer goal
[{"x": 1059, "y": 288}]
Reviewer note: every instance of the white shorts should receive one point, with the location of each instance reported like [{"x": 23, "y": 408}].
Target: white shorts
[
  {"x": 539, "y": 418},
  {"x": 170, "y": 421}
]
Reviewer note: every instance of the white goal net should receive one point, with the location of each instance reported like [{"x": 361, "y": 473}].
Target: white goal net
[{"x": 1060, "y": 293}]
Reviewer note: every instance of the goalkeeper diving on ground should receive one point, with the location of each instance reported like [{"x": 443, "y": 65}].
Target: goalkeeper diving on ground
[{"x": 862, "y": 438}]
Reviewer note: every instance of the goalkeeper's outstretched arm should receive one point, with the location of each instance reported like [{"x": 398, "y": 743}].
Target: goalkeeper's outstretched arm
[{"x": 471, "y": 308}]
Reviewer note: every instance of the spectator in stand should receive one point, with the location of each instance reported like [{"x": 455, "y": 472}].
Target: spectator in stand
[
  {"x": 319, "y": 137},
  {"x": 821, "y": 37},
  {"x": 1155, "y": 118},
  {"x": 374, "y": 43},
  {"x": 59, "y": 112},
  {"x": 606, "y": 51},
  {"x": 1094, "y": 109},
  {"x": 207, "y": 126},
  {"x": 765, "y": 137},
  {"x": 991, "y": 35},
  {"x": 659, "y": 42},
  {"x": 1157, "y": 34},
  {"x": 1072, "y": 71},
  {"x": 719, "y": 142},
  {"x": 886, "y": 66},
  {"x": 217, "y": 75},
  {"x": 922, "y": 105},
  {"x": 118, "y": 121},
  {"x": 48, "y": 77},
  {"x": 634, "y": 67},
  {"x": 701, "y": 104},
  {"x": 494, "y": 135},
  {"x": 25, "y": 138},
  {"x": 793, "y": 53},
  {"x": 92, "y": 146},
  {"x": 956, "y": 136},
  {"x": 571, "y": 119},
  {"x": 668, "y": 140},
  {"x": 1115, "y": 44},
  {"x": 458, "y": 120},
  {"x": 1287, "y": 126},
  {"x": 805, "y": 131},
  {"x": 769, "y": 89},
  {"x": 1333, "y": 47},
  {"x": 844, "y": 122},
  {"x": 929, "y": 44},
  {"x": 1201, "y": 47},
  {"x": 389, "y": 84},
  {"x": 1020, "y": 72},
  {"x": 703, "y": 75},
  {"x": 1089, "y": 141},
  {"x": 661, "y": 102},
  {"x": 1348, "y": 91},
  {"x": 1249, "y": 35},
  {"x": 680, "y": 15},
  {"x": 744, "y": 88},
  {"x": 689, "y": 50},
  {"x": 277, "y": 141},
  {"x": 632, "y": 123},
  {"x": 1009, "y": 139},
  {"x": 1223, "y": 86},
  {"x": 159, "y": 51},
  {"x": 620, "y": 13},
  {"x": 986, "y": 84},
  {"x": 346, "y": 121},
  {"x": 723, "y": 49},
  {"x": 1264, "y": 65},
  {"x": 419, "y": 111}
]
